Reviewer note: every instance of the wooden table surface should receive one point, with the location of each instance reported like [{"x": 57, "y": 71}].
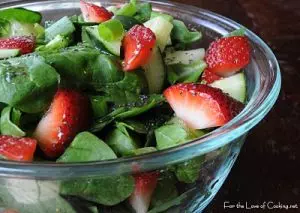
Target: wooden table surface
[{"x": 268, "y": 168}]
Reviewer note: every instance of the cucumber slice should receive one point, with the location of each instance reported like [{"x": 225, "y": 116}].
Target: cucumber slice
[
  {"x": 7, "y": 53},
  {"x": 184, "y": 57},
  {"x": 113, "y": 46},
  {"x": 162, "y": 29},
  {"x": 63, "y": 26},
  {"x": 155, "y": 72},
  {"x": 127, "y": 21},
  {"x": 234, "y": 86}
]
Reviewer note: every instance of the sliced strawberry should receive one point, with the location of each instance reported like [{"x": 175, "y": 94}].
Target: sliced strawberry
[
  {"x": 24, "y": 43},
  {"x": 18, "y": 149},
  {"x": 209, "y": 77},
  {"x": 228, "y": 55},
  {"x": 138, "y": 44},
  {"x": 201, "y": 106},
  {"x": 69, "y": 114},
  {"x": 145, "y": 184},
  {"x": 94, "y": 13},
  {"x": 9, "y": 211}
]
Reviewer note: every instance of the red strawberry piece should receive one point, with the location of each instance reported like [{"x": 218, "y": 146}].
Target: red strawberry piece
[
  {"x": 209, "y": 77},
  {"x": 17, "y": 149},
  {"x": 9, "y": 211},
  {"x": 138, "y": 44},
  {"x": 94, "y": 13},
  {"x": 201, "y": 106},
  {"x": 24, "y": 43},
  {"x": 145, "y": 184},
  {"x": 228, "y": 55},
  {"x": 68, "y": 114}
]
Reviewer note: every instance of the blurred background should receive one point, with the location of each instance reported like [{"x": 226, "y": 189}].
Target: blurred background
[{"x": 268, "y": 166}]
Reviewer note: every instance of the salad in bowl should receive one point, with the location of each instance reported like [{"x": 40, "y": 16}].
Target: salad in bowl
[{"x": 111, "y": 83}]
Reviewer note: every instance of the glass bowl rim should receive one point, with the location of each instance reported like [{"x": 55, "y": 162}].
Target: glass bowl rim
[{"x": 237, "y": 127}]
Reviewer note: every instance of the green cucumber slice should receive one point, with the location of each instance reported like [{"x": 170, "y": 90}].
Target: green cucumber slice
[
  {"x": 184, "y": 57},
  {"x": 7, "y": 53},
  {"x": 234, "y": 86},
  {"x": 155, "y": 14},
  {"x": 63, "y": 26},
  {"x": 113, "y": 46},
  {"x": 162, "y": 29},
  {"x": 155, "y": 72}
]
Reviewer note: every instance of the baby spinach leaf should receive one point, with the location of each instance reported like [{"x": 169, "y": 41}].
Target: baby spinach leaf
[
  {"x": 180, "y": 33},
  {"x": 4, "y": 28},
  {"x": 187, "y": 73},
  {"x": 189, "y": 171},
  {"x": 141, "y": 151},
  {"x": 136, "y": 126},
  {"x": 238, "y": 32},
  {"x": 2, "y": 106},
  {"x": 143, "y": 13},
  {"x": 106, "y": 190},
  {"x": 87, "y": 147},
  {"x": 99, "y": 106},
  {"x": 125, "y": 91},
  {"x": 174, "y": 202},
  {"x": 85, "y": 66},
  {"x": 21, "y": 15},
  {"x": 121, "y": 140},
  {"x": 10, "y": 119},
  {"x": 174, "y": 133},
  {"x": 120, "y": 208},
  {"x": 165, "y": 189},
  {"x": 28, "y": 196},
  {"x": 170, "y": 135},
  {"x": 144, "y": 104},
  {"x": 27, "y": 83}
]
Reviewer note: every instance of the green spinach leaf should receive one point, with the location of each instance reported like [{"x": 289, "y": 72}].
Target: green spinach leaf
[
  {"x": 87, "y": 147},
  {"x": 27, "y": 83},
  {"x": 143, "y": 13},
  {"x": 126, "y": 91},
  {"x": 187, "y": 73},
  {"x": 189, "y": 171},
  {"x": 165, "y": 190},
  {"x": 4, "y": 28},
  {"x": 85, "y": 66},
  {"x": 121, "y": 140},
  {"x": 10, "y": 120},
  {"x": 102, "y": 190},
  {"x": 141, "y": 151},
  {"x": 99, "y": 106},
  {"x": 238, "y": 32},
  {"x": 133, "y": 109},
  {"x": 28, "y": 196},
  {"x": 174, "y": 133},
  {"x": 181, "y": 33},
  {"x": 174, "y": 202},
  {"x": 21, "y": 14}
]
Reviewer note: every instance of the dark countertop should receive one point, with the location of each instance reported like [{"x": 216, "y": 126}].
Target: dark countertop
[{"x": 268, "y": 166}]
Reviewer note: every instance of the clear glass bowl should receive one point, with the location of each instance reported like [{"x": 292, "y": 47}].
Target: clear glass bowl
[{"x": 34, "y": 187}]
